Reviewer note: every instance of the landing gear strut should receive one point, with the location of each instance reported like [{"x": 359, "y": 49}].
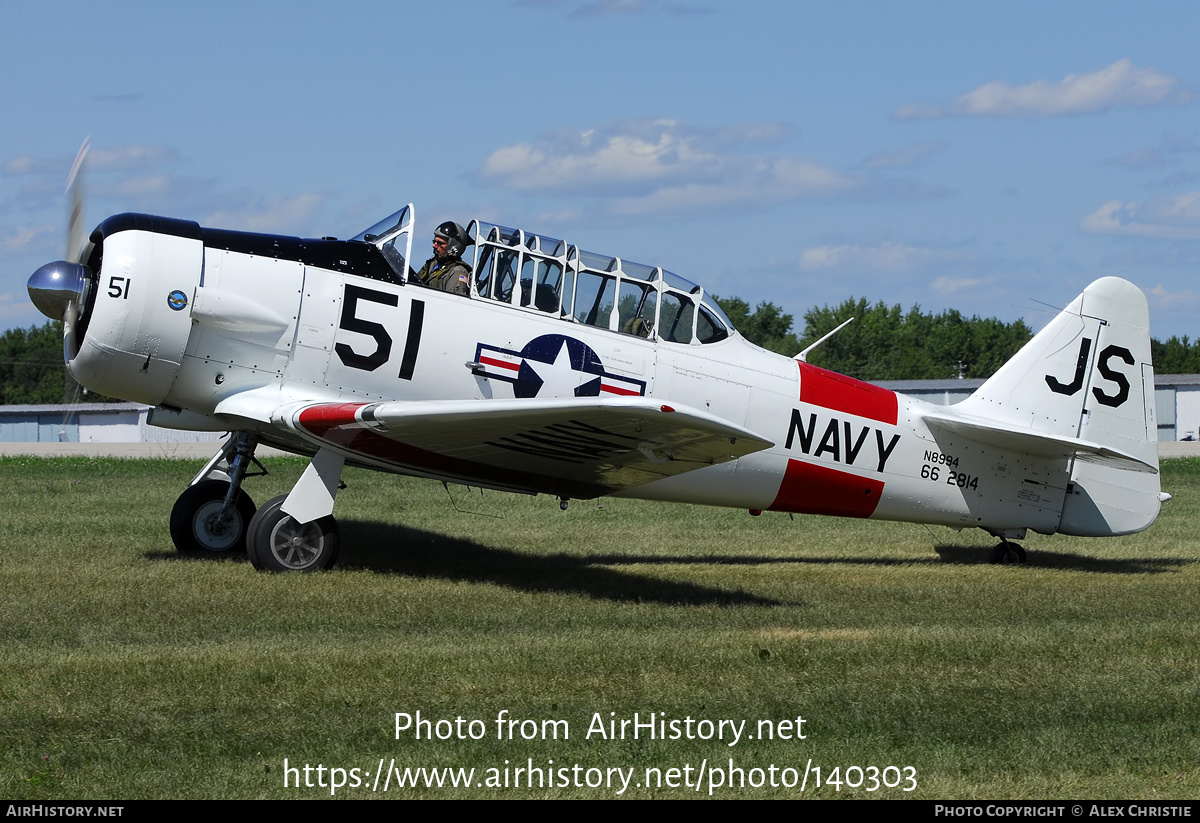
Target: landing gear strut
[{"x": 213, "y": 514}]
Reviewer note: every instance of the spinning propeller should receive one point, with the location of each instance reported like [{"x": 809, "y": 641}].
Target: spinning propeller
[{"x": 60, "y": 289}]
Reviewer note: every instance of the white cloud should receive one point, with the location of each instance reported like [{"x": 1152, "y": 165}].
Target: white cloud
[
  {"x": 768, "y": 181},
  {"x": 124, "y": 158},
  {"x": 911, "y": 155},
  {"x": 1181, "y": 143},
  {"x": 1161, "y": 155},
  {"x": 625, "y": 156},
  {"x": 16, "y": 309},
  {"x": 135, "y": 175},
  {"x": 1121, "y": 84},
  {"x": 114, "y": 158},
  {"x": 1164, "y": 299},
  {"x": 289, "y": 215},
  {"x": 602, "y": 8},
  {"x": 137, "y": 188},
  {"x": 948, "y": 286},
  {"x": 647, "y": 166},
  {"x": 160, "y": 192},
  {"x": 558, "y": 217},
  {"x": 28, "y": 165},
  {"x": 1180, "y": 178},
  {"x": 884, "y": 257},
  {"x": 1143, "y": 158},
  {"x": 26, "y": 239},
  {"x": 1174, "y": 217},
  {"x": 608, "y": 8},
  {"x": 609, "y": 160}
]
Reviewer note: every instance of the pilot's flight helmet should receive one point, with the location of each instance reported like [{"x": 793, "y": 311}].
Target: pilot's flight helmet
[{"x": 456, "y": 238}]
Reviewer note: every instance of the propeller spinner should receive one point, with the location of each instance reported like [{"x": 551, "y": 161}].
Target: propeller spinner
[{"x": 59, "y": 286}]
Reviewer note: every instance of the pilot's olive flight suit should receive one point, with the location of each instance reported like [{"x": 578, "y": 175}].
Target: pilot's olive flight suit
[{"x": 453, "y": 276}]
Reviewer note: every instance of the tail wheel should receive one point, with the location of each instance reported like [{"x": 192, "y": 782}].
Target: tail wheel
[
  {"x": 277, "y": 542},
  {"x": 197, "y": 527}
]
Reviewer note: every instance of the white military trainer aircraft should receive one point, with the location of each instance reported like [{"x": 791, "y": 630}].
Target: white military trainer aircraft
[{"x": 576, "y": 375}]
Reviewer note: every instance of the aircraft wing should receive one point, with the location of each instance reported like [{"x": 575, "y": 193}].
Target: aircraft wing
[
  {"x": 1029, "y": 441},
  {"x": 569, "y": 447}
]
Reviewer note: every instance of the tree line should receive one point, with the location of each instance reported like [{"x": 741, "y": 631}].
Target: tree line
[
  {"x": 883, "y": 343},
  {"x": 886, "y": 343},
  {"x": 31, "y": 366},
  {"x": 1176, "y": 356}
]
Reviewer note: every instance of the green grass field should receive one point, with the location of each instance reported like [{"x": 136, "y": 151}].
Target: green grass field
[{"x": 127, "y": 671}]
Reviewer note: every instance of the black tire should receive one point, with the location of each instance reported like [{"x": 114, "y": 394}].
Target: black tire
[
  {"x": 195, "y": 529},
  {"x": 1008, "y": 554},
  {"x": 277, "y": 543}
]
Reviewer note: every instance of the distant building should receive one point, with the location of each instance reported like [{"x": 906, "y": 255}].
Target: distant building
[
  {"x": 89, "y": 423},
  {"x": 1177, "y": 397}
]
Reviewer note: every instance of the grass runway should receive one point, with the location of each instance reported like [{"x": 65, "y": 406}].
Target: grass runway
[{"x": 127, "y": 671}]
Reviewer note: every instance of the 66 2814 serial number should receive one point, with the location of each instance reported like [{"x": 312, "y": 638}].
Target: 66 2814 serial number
[{"x": 936, "y": 462}]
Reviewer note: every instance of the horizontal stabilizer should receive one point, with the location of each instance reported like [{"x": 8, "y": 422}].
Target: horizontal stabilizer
[{"x": 1029, "y": 441}]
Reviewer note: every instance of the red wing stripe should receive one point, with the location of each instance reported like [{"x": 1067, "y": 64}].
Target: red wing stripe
[
  {"x": 327, "y": 416},
  {"x": 336, "y": 424}
]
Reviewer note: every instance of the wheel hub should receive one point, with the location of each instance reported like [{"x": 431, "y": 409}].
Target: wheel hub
[
  {"x": 214, "y": 531},
  {"x": 296, "y": 545}
]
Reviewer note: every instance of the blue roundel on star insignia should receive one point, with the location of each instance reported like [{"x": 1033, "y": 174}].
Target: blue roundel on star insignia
[
  {"x": 550, "y": 349},
  {"x": 177, "y": 300}
]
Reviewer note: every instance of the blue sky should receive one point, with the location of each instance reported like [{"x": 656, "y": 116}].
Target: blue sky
[{"x": 988, "y": 158}]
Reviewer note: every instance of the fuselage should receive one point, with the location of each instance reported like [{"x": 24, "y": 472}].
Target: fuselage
[{"x": 216, "y": 329}]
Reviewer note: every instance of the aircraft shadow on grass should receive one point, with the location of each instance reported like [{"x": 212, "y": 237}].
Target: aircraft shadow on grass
[
  {"x": 413, "y": 552},
  {"x": 395, "y": 549},
  {"x": 957, "y": 555},
  {"x": 1067, "y": 561}
]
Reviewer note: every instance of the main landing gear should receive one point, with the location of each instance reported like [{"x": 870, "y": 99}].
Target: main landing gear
[
  {"x": 1008, "y": 553},
  {"x": 277, "y": 542},
  {"x": 214, "y": 516},
  {"x": 202, "y": 522}
]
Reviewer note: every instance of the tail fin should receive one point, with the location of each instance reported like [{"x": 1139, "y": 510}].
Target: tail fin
[{"x": 1086, "y": 383}]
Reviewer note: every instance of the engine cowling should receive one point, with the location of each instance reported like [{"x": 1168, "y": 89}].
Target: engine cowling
[{"x": 131, "y": 336}]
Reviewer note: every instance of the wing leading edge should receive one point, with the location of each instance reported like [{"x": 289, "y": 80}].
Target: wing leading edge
[{"x": 573, "y": 448}]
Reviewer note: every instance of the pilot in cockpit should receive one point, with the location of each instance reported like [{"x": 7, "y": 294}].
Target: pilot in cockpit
[{"x": 446, "y": 270}]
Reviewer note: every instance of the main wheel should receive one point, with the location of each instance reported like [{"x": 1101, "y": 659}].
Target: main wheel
[
  {"x": 198, "y": 528},
  {"x": 1008, "y": 554},
  {"x": 276, "y": 542}
]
